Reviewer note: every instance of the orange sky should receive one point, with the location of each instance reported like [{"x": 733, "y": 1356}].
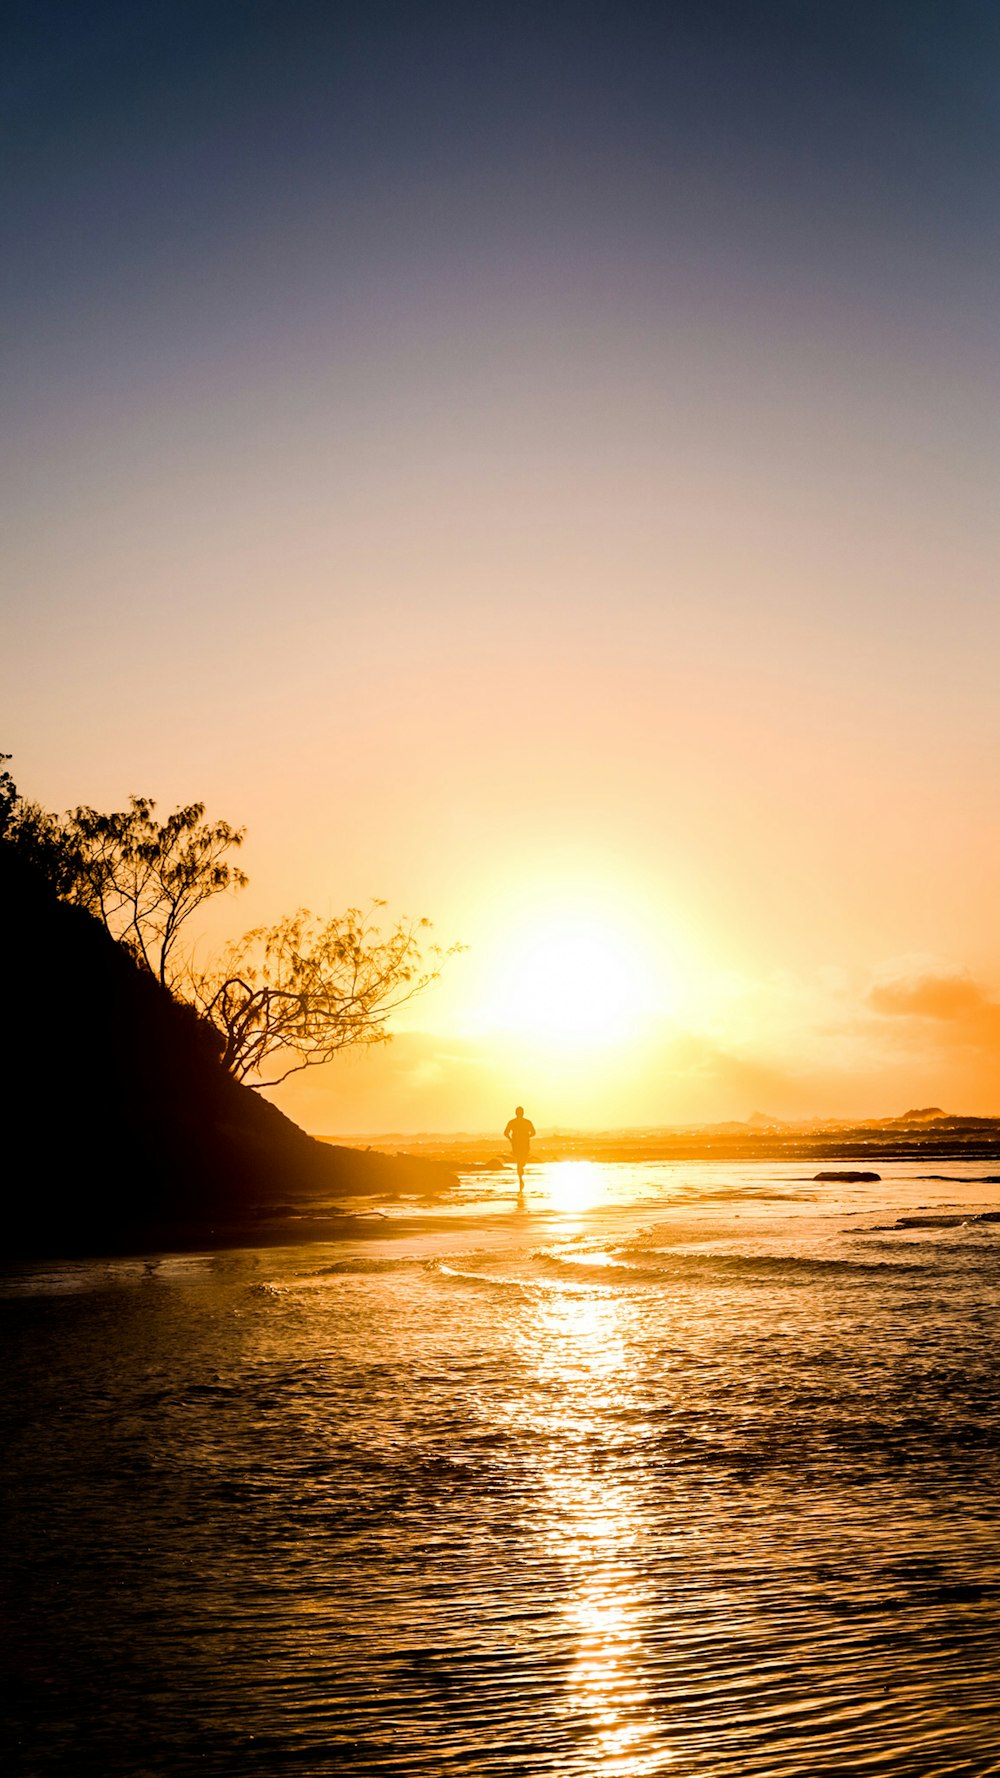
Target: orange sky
[{"x": 599, "y": 539}]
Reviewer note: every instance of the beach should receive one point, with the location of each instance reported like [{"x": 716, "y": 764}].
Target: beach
[{"x": 684, "y": 1467}]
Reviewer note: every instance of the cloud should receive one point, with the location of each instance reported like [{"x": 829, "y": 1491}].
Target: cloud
[
  {"x": 937, "y": 1014},
  {"x": 929, "y": 988}
]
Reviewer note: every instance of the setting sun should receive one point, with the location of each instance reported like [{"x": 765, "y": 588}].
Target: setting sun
[{"x": 571, "y": 980}]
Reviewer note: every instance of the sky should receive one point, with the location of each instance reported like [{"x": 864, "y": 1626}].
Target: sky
[{"x": 534, "y": 465}]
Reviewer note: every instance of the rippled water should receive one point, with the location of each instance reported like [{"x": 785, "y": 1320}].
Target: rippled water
[{"x": 682, "y": 1469}]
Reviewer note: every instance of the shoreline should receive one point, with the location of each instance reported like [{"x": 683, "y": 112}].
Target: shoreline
[{"x": 364, "y": 1216}]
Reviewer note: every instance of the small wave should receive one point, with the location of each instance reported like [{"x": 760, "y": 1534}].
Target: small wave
[
  {"x": 963, "y": 1178},
  {"x": 738, "y": 1194},
  {"x": 606, "y": 1270},
  {"x": 528, "y": 1286},
  {"x": 804, "y": 1266},
  {"x": 363, "y": 1264},
  {"x": 935, "y": 1249},
  {"x": 660, "y": 1265},
  {"x": 487, "y": 1280},
  {"x": 953, "y": 1220}
]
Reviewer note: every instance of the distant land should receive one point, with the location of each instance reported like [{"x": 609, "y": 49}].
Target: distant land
[{"x": 926, "y": 1133}]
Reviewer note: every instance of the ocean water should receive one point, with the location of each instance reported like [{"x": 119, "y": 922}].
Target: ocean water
[{"x": 687, "y": 1469}]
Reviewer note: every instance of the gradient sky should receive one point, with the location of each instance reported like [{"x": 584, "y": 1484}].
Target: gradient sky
[{"x": 537, "y": 465}]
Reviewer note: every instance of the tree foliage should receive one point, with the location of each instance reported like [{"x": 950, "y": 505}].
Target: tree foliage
[
  {"x": 8, "y": 795},
  {"x": 294, "y": 995},
  {"x": 144, "y": 879},
  {"x": 40, "y": 839},
  {"x": 283, "y": 997}
]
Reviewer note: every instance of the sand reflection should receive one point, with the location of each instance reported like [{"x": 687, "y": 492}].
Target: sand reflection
[{"x": 593, "y": 1529}]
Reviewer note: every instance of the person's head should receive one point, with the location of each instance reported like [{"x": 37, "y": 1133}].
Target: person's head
[{"x": 519, "y": 1111}]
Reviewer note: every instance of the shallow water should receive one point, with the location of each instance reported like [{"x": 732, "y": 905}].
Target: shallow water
[{"x": 683, "y": 1468}]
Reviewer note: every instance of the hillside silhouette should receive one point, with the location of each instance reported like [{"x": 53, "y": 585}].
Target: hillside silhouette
[{"x": 122, "y": 1127}]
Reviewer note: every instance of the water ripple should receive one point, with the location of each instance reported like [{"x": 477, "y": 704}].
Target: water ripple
[{"x": 711, "y": 1501}]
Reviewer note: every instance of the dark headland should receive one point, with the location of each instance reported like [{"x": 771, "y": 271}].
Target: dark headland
[{"x": 122, "y": 1132}]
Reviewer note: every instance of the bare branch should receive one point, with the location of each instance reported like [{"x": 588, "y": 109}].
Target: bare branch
[
  {"x": 292, "y": 996},
  {"x": 144, "y": 879}
]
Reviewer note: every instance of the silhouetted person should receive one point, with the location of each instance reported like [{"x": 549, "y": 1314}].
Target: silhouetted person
[{"x": 519, "y": 1133}]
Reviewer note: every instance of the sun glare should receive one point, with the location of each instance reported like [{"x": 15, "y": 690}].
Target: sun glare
[
  {"x": 571, "y": 981},
  {"x": 573, "y": 1185}
]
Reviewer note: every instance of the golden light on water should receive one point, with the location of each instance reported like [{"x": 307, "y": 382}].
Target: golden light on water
[
  {"x": 593, "y": 1531},
  {"x": 573, "y": 1186},
  {"x": 603, "y": 1679}
]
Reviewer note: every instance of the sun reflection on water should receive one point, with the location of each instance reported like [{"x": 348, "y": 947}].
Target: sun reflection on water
[
  {"x": 593, "y": 1529},
  {"x": 573, "y": 1186}
]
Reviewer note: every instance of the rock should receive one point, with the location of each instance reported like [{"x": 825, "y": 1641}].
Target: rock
[{"x": 847, "y": 1178}]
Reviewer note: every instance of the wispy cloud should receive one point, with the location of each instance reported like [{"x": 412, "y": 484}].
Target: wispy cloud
[{"x": 932, "y": 988}]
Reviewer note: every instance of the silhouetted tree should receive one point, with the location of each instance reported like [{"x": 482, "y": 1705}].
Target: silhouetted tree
[
  {"x": 294, "y": 995},
  {"x": 145, "y": 879},
  {"x": 8, "y": 795},
  {"x": 281, "y": 998},
  {"x": 37, "y": 838}
]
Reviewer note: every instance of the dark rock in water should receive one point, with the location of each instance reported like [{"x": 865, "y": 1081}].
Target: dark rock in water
[
  {"x": 847, "y": 1178},
  {"x": 125, "y": 1122}
]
